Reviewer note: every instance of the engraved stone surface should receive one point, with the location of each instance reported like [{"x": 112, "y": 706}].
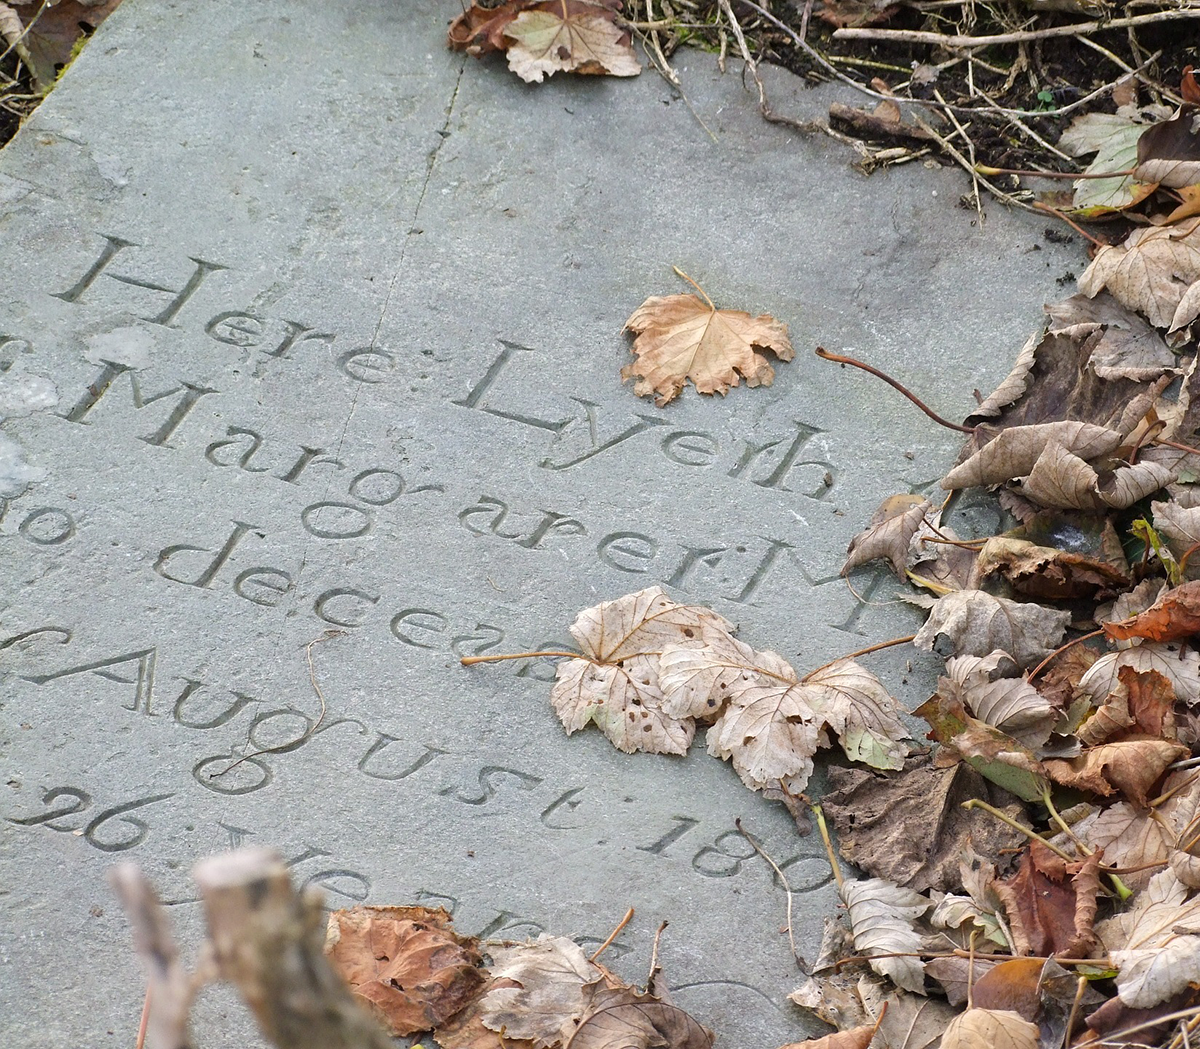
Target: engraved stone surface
[{"x": 310, "y": 332}]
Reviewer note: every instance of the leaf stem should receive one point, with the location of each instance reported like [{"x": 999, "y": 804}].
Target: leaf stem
[
  {"x": 1039, "y": 206},
  {"x": 837, "y": 358},
  {"x": 833, "y": 863},
  {"x": 861, "y": 652},
  {"x": 468, "y": 661},
  {"x": 612, "y": 935},
  {"x": 985, "y": 169},
  {"x": 695, "y": 285},
  {"x": 1004, "y": 817}
]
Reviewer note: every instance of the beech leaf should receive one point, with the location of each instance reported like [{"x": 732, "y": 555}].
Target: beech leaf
[
  {"x": 681, "y": 338},
  {"x": 855, "y": 1038},
  {"x": 890, "y": 533},
  {"x": 881, "y": 916},
  {"x": 1015, "y": 451},
  {"x": 1173, "y": 616},
  {"x": 1012, "y": 705},
  {"x": 1127, "y": 347},
  {"x": 551, "y": 973}
]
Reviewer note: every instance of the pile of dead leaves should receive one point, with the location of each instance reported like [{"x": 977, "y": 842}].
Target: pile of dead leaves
[
  {"x": 1039, "y": 865},
  {"x": 544, "y": 37},
  {"x": 416, "y": 974}
]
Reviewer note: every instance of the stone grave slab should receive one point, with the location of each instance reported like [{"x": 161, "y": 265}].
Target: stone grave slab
[{"x": 309, "y": 353}]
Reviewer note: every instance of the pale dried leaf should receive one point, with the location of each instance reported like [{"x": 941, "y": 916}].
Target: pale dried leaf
[
  {"x": 682, "y": 338},
  {"x": 643, "y": 622},
  {"x": 1014, "y": 385},
  {"x": 1153, "y": 945},
  {"x": 994, "y": 1028},
  {"x": 853, "y": 702},
  {"x": 1151, "y": 272},
  {"x": 1180, "y": 526},
  {"x": 552, "y": 972},
  {"x": 1180, "y": 667},
  {"x": 971, "y": 622},
  {"x": 1113, "y": 137},
  {"x": 889, "y": 534},
  {"x": 854, "y": 1038},
  {"x": 1169, "y": 153},
  {"x": 1010, "y": 704},
  {"x": 881, "y": 917},
  {"x": 1059, "y": 479},
  {"x": 1015, "y": 450},
  {"x": 910, "y": 1021},
  {"x": 770, "y": 733},
  {"x": 623, "y": 701},
  {"x": 584, "y": 41},
  {"x": 1130, "y": 837},
  {"x": 697, "y": 682}
]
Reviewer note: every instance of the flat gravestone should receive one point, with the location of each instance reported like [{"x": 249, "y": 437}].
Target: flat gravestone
[{"x": 309, "y": 353}]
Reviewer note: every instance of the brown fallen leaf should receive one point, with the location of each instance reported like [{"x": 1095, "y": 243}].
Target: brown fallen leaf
[
  {"x": 855, "y": 1038},
  {"x": 972, "y": 622},
  {"x": 480, "y": 30},
  {"x": 569, "y": 36},
  {"x": 1015, "y": 451},
  {"x": 1012, "y": 987},
  {"x": 889, "y": 534},
  {"x": 1143, "y": 703},
  {"x": 1115, "y": 1017},
  {"x": 987, "y": 1027},
  {"x": 1131, "y": 838},
  {"x": 1131, "y": 766},
  {"x": 1156, "y": 272},
  {"x": 621, "y": 1018},
  {"x": 53, "y": 30},
  {"x": 1174, "y": 616},
  {"x": 406, "y": 964},
  {"x": 1169, "y": 152},
  {"x": 681, "y": 338},
  {"x": 1010, "y": 704},
  {"x": 1051, "y": 904},
  {"x": 1181, "y": 667},
  {"x": 881, "y": 920},
  {"x": 1128, "y": 347},
  {"x": 873, "y": 813},
  {"x": 1060, "y": 479},
  {"x": 1046, "y": 574}
]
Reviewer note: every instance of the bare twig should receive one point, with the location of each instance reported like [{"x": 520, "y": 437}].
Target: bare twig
[
  {"x": 920, "y": 36},
  {"x": 787, "y": 888}
]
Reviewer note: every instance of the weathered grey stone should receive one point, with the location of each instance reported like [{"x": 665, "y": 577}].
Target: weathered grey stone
[{"x": 310, "y": 332}]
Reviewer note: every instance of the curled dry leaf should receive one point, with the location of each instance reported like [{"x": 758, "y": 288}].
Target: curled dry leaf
[
  {"x": 1155, "y": 272},
  {"x": 681, "y": 338},
  {"x": 853, "y": 702},
  {"x": 881, "y": 916},
  {"x": 1180, "y": 527},
  {"x": 1130, "y": 766},
  {"x": 873, "y": 813},
  {"x": 1127, "y": 347},
  {"x": 993, "y": 1028},
  {"x": 1154, "y": 945},
  {"x": 406, "y": 964},
  {"x": 1142, "y": 703},
  {"x": 1016, "y": 450},
  {"x": 1130, "y": 837},
  {"x": 1180, "y": 667},
  {"x": 1169, "y": 153},
  {"x": 1174, "y": 616},
  {"x": 971, "y": 622},
  {"x": 1044, "y": 573},
  {"x": 855, "y": 1038},
  {"x": 890, "y": 533},
  {"x": 1010, "y": 704}
]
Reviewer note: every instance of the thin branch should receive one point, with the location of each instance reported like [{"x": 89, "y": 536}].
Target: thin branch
[
  {"x": 787, "y": 888},
  {"x": 613, "y": 935},
  {"x": 861, "y": 652},
  {"x": 918, "y": 36}
]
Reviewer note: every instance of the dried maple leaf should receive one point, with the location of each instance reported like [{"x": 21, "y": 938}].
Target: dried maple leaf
[
  {"x": 698, "y": 682},
  {"x": 1130, "y": 766},
  {"x": 854, "y": 1038},
  {"x": 480, "y": 30},
  {"x": 1051, "y": 904},
  {"x": 1156, "y": 272},
  {"x": 1130, "y": 838},
  {"x": 681, "y": 338},
  {"x": 405, "y": 963},
  {"x": 1142, "y": 703},
  {"x": 874, "y": 813},
  {"x": 881, "y": 921},
  {"x": 621, "y": 1018},
  {"x": 615, "y": 684},
  {"x": 1154, "y": 945},
  {"x": 993, "y": 1028},
  {"x": 575, "y": 36},
  {"x": 770, "y": 730},
  {"x": 1174, "y": 616},
  {"x": 971, "y": 622},
  {"x": 1180, "y": 668},
  {"x": 1016, "y": 450},
  {"x": 546, "y": 995},
  {"x": 890, "y": 533}
]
